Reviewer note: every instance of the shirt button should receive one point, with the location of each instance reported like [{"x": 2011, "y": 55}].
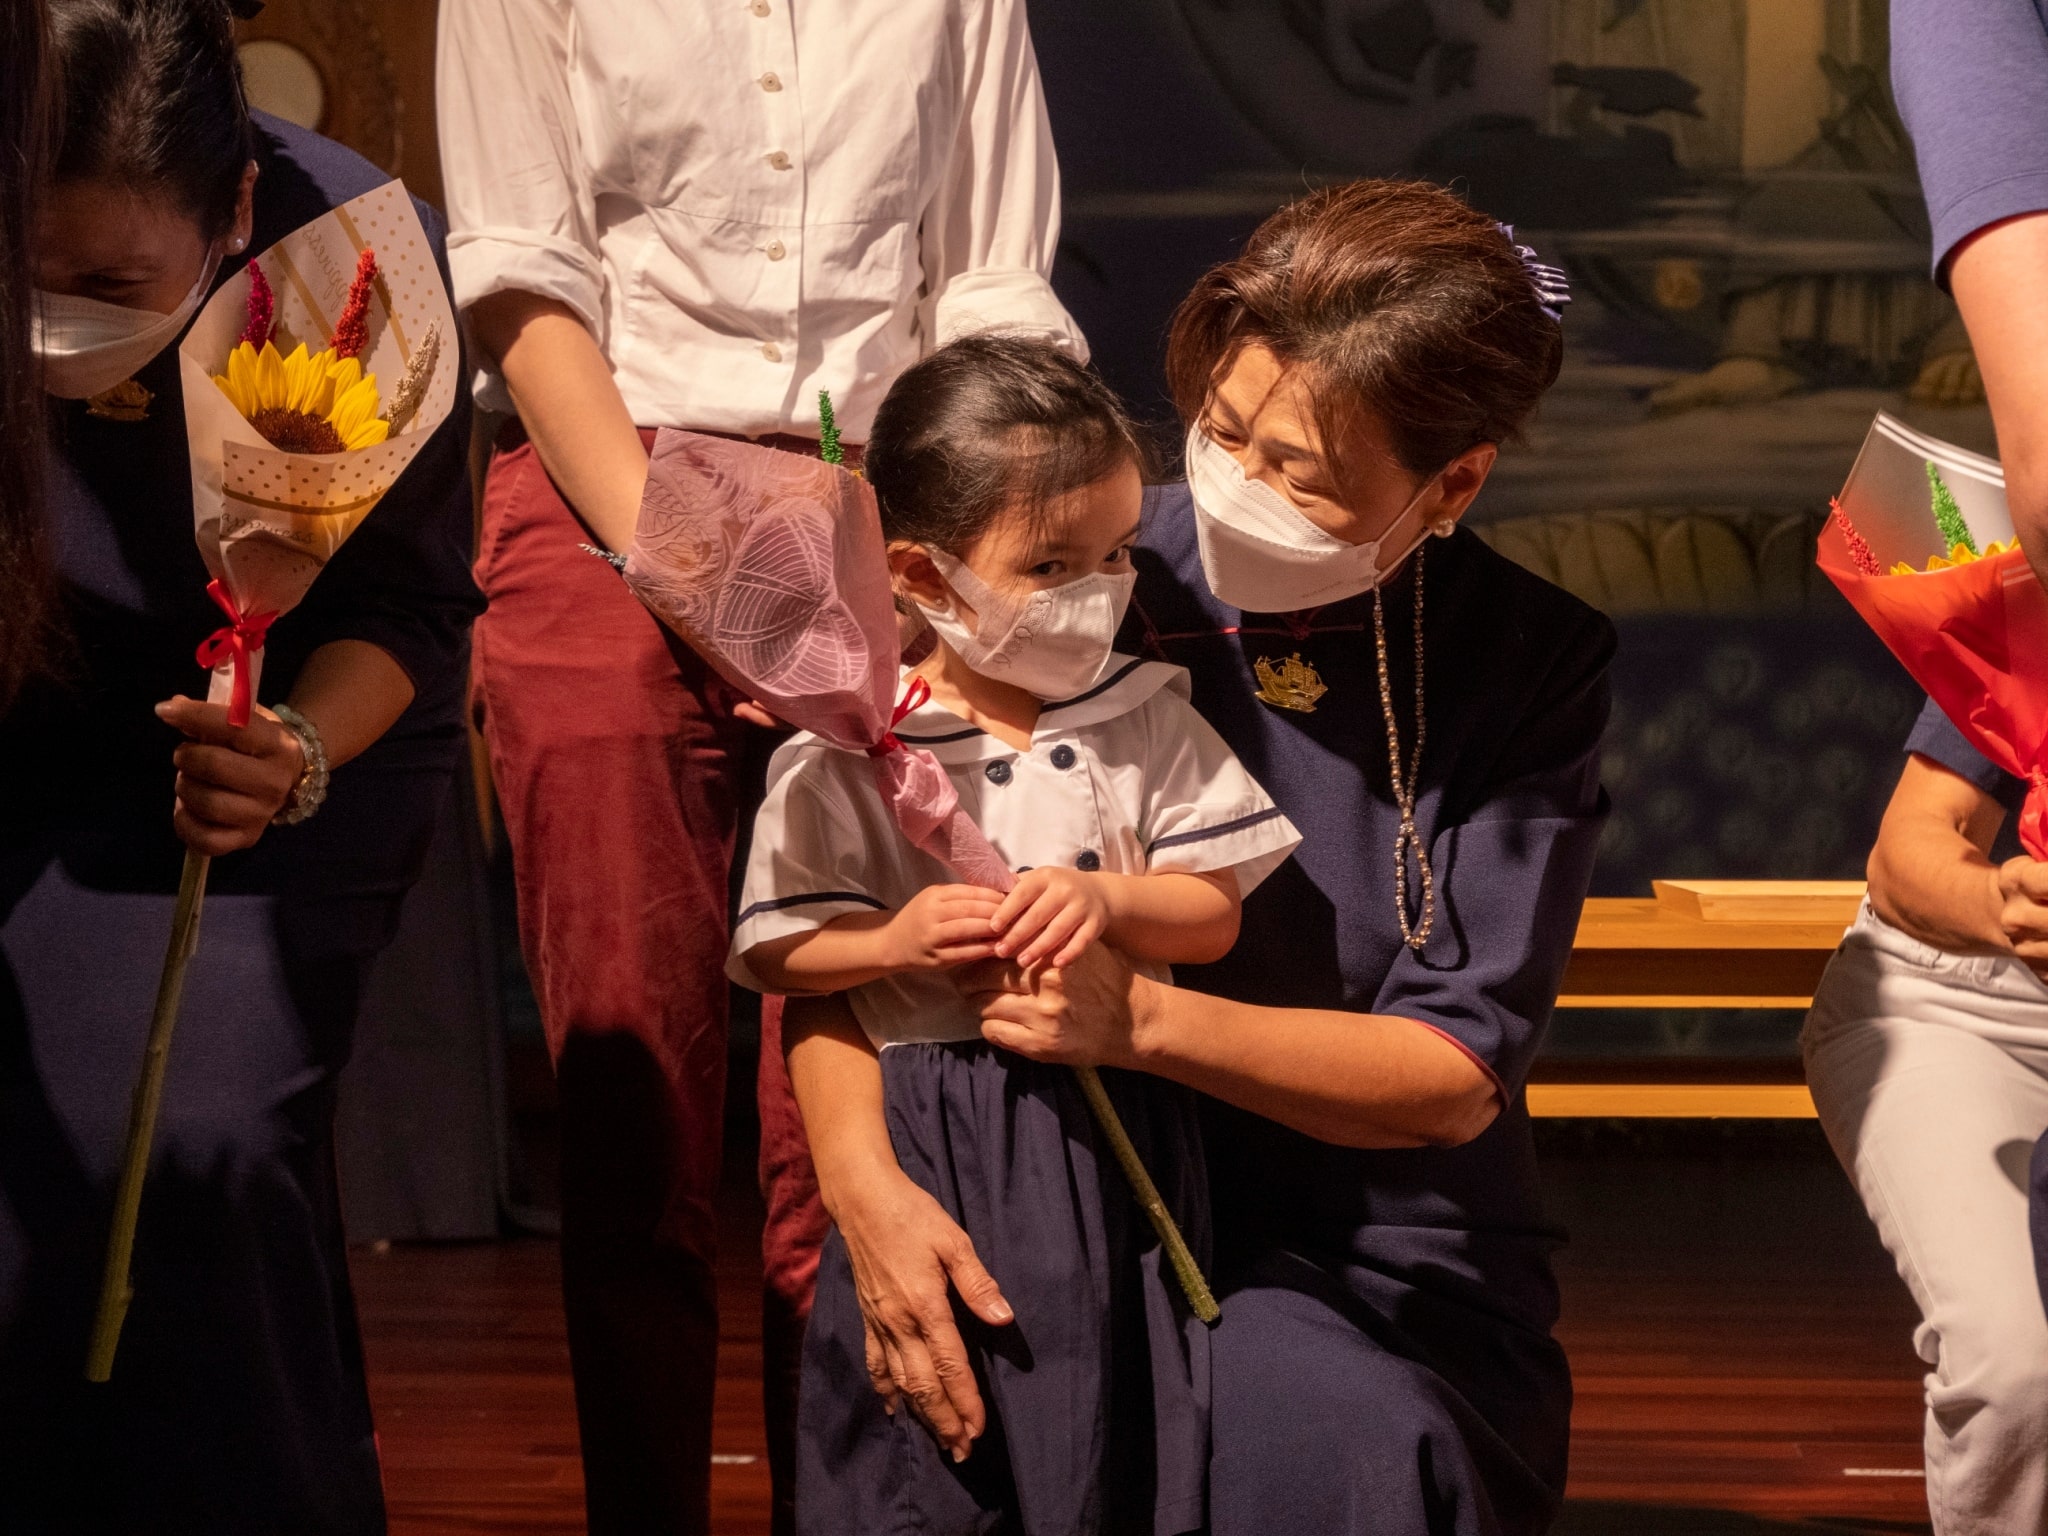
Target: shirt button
[
  {"x": 776, "y": 251},
  {"x": 771, "y": 81},
  {"x": 759, "y": 7},
  {"x": 1063, "y": 757},
  {"x": 998, "y": 773},
  {"x": 1088, "y": 861},
  {"x": 778, "y": 161},
  {"x": 771, "y": 351}
]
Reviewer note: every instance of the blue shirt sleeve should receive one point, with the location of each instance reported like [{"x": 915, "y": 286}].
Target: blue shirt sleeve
[
  {"x": 1971, "y": 79},
  {"x": 1512, "y": 875},
  {"x": 1935, "y": 738}
]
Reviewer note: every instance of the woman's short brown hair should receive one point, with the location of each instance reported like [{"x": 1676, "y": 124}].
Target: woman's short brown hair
[{"x": 1398, "y": 299}]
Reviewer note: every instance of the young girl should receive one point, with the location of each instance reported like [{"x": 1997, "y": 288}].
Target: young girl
[{"x": 1009, "y": 485}]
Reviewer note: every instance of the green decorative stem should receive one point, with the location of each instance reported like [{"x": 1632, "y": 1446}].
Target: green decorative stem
[
  {"x": 116, "y": 1290},
  {"x": 828, "y": 431},
  {"x": 1947, "y": 515},
  {"x": 1184, "y": 1266}
]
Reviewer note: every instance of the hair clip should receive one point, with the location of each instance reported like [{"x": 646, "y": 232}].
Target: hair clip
[{"x": 1553, "y": 288}]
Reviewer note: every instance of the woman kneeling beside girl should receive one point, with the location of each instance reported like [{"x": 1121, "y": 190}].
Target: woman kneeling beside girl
[{"x": 1009, "y": 484}]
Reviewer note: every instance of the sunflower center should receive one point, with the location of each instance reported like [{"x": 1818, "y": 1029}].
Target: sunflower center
[{"x": 296, "y": 432}]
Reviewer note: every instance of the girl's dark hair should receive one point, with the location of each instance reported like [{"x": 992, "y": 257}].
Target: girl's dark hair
[
  {"x": 153, "y": 101},
  {"x": 989, "y": 422},
  {"x": 1398, "y": 299},
  {"x": 27, "y": 122}
]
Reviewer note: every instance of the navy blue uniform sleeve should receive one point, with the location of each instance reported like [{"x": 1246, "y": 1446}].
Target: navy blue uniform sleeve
[
  {"x": 1936, "y": 739},
  {"x": 1512, "y": 874},
  {"x": 402, "y": 581},
  {"x": 1971, "y": 78}
]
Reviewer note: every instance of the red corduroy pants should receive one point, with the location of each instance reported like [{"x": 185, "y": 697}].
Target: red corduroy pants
[{"x": 618, "y": 763}]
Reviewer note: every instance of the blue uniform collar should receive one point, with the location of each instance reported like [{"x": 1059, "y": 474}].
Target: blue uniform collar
[{"x": 1126, "y": 683}]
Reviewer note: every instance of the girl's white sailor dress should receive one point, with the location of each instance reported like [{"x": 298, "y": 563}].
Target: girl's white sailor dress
[{"x": 1098, "y": 1393}]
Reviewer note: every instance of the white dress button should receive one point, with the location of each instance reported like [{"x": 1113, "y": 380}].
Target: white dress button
[
  {"x": 771, "y": 351},
  {"x": 771, "y": 81},
  {"x": 778, "y": 161},
  {"x": 776, "y": 250}
]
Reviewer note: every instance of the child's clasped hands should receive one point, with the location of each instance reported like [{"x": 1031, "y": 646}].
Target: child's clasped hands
[{"x": 1050, "y": 917}]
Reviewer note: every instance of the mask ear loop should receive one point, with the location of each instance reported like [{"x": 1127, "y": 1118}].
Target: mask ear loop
[{"x": 1408, "y": 837}]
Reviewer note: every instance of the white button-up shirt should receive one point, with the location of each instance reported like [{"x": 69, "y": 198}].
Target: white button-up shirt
[
  {"x": 748, "y": 201},
  {"x": 1126, "y": 779}
]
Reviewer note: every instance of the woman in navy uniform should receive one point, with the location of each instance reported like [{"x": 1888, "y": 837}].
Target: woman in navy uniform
[
  {"x": 1429, "y": 715},
  {"x": 238, "y": 1400}
]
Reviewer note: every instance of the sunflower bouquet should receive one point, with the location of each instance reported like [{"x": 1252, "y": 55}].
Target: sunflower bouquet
[
  {"x": 291, "y": 448},
  {"x": 1921, "y": 543}
]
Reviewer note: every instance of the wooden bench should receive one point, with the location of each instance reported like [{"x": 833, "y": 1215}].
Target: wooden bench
[{"x": 1696, "y": 944}]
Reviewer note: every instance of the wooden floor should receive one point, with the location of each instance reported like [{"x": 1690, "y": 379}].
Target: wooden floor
[{"x": 1739, "y": 1340}]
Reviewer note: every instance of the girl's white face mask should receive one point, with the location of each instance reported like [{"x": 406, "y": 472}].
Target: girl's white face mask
[
  {"x": 1262, "y": 555},
  {"x": 1052, "y": 643},
  {"x": 88, "y": 345}
]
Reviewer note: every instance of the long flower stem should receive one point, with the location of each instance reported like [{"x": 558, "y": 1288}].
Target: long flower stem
[
  {"x": 115, "y": 1287},
  {"x": 1184, "y": 1265}
]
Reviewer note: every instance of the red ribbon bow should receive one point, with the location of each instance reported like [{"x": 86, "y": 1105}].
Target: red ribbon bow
[
  {"x": 238, "y": 639},
  {"x": 913, "y": 699}
]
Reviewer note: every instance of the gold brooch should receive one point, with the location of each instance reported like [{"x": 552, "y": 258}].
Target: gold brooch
[
  {"x": 1294, "y": 684},
  {"x": 126, "y": 401}
]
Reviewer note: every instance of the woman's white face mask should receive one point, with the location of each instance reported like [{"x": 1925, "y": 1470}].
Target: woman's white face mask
[
  {"x": 88, "y": 345},
  {"x": 1052, "y": 643},
  {"x": 1262, "y": 555}
]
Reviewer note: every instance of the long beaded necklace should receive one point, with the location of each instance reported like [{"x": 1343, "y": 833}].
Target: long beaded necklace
[{"x": 1404, "y": 784}]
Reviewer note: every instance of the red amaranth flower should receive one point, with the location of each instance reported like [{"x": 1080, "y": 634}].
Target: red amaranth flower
[
  {"x": 262, "y": 308},
  {"x": 1859, "y": 551},
  {"x": 352, "y": 330}
]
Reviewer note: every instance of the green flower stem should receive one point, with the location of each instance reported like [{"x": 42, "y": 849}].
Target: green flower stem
[
  {"x": 828, "y": 431},
  {"x": 116, "y": 1288},
  {"x": 1184, "y": 1266},
  {"x": 1947, "y": 515}
]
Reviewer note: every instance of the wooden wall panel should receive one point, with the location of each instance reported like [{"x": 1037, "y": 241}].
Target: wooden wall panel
[{"x": 375, "y": 59}]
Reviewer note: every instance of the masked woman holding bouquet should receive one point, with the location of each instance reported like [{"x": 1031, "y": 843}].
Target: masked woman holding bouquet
[
  {"x": 237, "y": 1402},
  {"x": 1429, "y": 715}
]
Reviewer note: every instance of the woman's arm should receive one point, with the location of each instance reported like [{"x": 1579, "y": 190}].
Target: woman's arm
[
  {"x": 1931, "y": 873},
  {"x": 1355, "y": 1080},
  {"x": 232, "y": 782},
  {"x": 1996, "y": 276},
  {"x": 571, "y": 408},
  {"x": 906, "y": 1252},
  {"x": 524, "y": 248},
  {"x": 988, "y": 235}
]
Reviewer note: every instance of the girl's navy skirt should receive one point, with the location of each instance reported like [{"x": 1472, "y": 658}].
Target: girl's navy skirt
[{"x": 1098, "y": 1393}]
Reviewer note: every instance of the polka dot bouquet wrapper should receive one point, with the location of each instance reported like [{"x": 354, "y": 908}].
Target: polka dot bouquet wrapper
[
  {"x": 311, "y": 379},
  {"x": 1921, "y": 543}
]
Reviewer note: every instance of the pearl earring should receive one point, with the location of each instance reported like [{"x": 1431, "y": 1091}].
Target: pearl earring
[{"x": 1444, "y": 527}]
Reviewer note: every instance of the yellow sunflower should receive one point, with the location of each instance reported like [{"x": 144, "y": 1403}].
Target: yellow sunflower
[
  {"x": 1959, "y": 554},
  {"x": 317, "y": 403}
]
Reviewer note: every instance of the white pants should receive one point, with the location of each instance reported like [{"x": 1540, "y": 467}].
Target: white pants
[{"x": 1930, "y": 1071}]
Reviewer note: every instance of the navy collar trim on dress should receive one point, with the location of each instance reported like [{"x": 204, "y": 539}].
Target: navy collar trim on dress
[
  {"x": 1104, "y": 686},
  {"x": 1130, "y": 670}
]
